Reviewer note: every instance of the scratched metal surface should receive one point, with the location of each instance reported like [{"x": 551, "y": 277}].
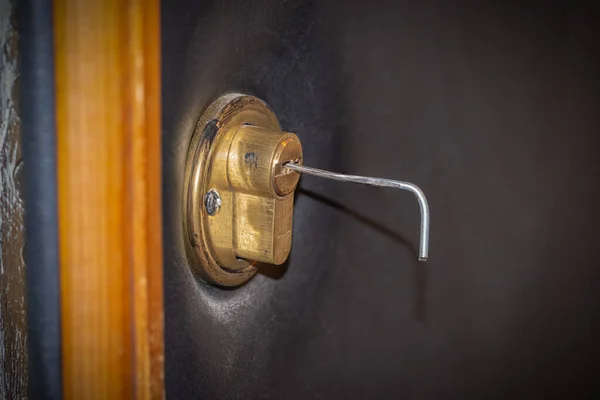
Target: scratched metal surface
[{"x": 13, "y": 332}]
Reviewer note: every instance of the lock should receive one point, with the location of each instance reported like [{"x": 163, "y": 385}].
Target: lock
[
  {"x": 239, "y": 198},
  {"x": 240, "y": 177}
]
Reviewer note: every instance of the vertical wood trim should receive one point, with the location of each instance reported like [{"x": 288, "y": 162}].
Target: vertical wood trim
[{"x": 108, "y": 143}]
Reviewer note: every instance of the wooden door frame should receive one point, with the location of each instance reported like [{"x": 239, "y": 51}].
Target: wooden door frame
[{"x": 107, "y": 70}]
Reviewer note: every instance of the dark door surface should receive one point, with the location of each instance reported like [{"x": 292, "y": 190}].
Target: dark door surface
[{"x": 491, "y": 109}]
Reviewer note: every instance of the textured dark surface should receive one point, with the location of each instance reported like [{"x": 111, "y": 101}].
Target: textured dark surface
[
  {"x": 13, "y": 327},
  {"x": 41, "y": 220},
  {"x": 492, "y": 110}
]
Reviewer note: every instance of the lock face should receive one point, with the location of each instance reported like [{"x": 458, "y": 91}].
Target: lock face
[{"x": 238, "y": 200}]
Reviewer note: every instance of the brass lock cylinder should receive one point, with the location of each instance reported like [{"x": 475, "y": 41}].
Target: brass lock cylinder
[
  {"x": 238, "y": 197},
  {"x": 241, "y": 173},
  {"x": 263, "y": 206}
]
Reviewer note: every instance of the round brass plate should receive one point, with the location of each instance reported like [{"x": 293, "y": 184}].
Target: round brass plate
[{"x": 217, "y": 125}]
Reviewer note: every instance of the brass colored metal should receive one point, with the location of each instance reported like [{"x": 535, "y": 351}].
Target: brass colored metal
[
  {"x": 238, "y": 152},
  {"x": 285, "y": 180}
]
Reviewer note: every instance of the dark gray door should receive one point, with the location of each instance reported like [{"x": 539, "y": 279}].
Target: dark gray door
[{"x": 492, "y": 109}]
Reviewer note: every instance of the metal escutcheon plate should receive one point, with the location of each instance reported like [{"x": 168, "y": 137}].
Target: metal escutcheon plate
[{"x": 208, "y": 244}]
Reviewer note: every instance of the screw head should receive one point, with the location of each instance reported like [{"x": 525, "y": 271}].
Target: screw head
[{"x": 212, "y": 202}]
